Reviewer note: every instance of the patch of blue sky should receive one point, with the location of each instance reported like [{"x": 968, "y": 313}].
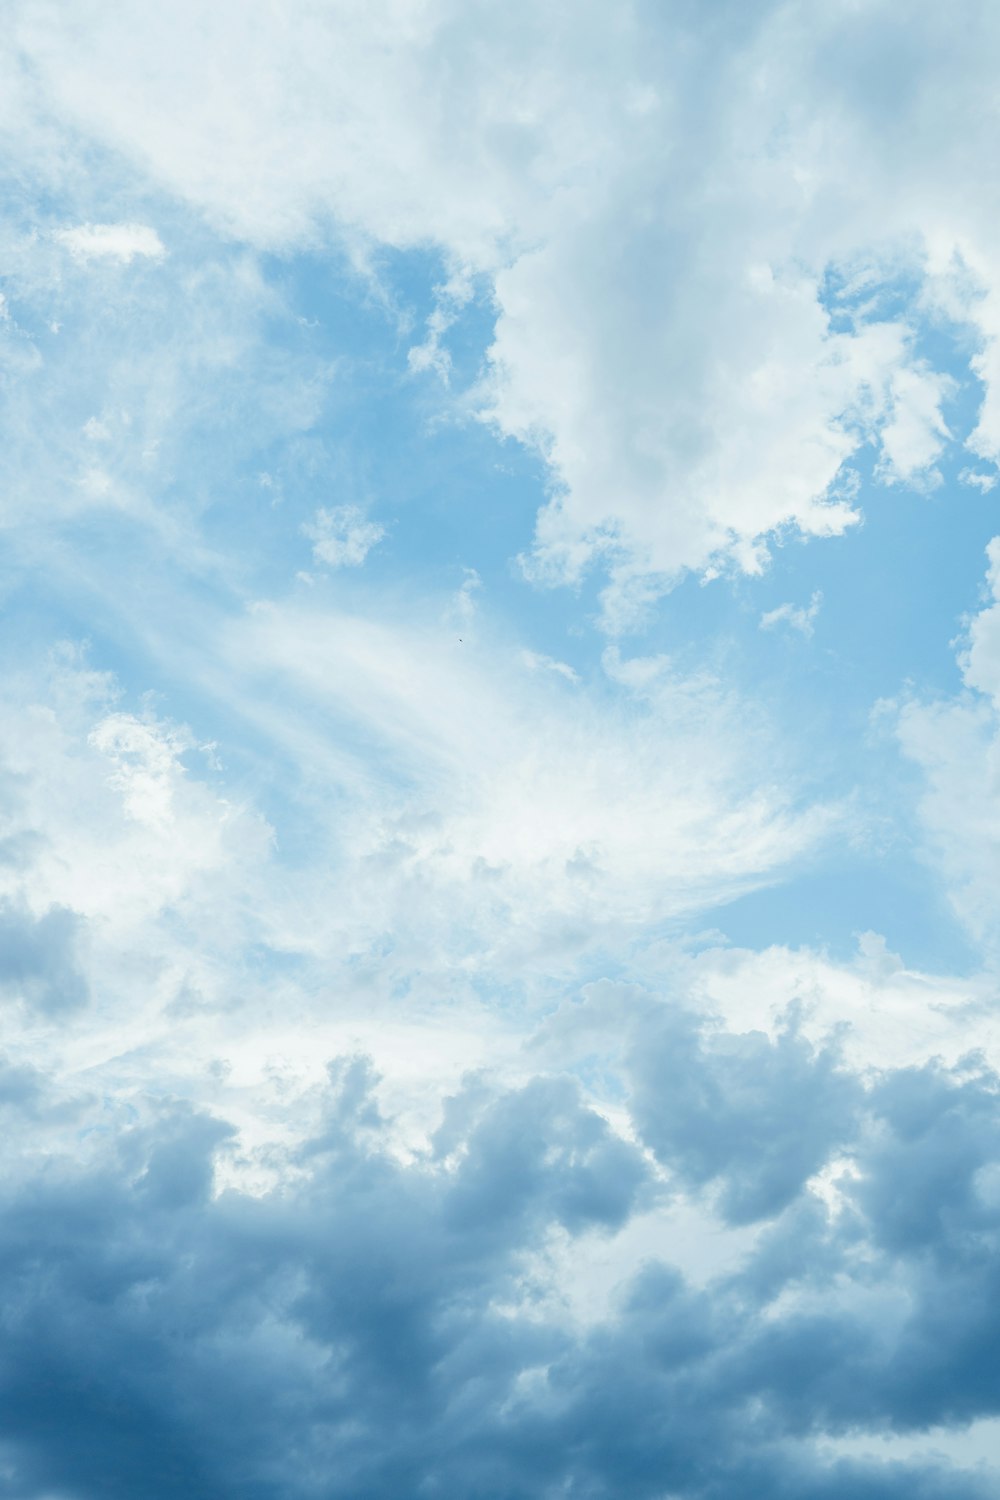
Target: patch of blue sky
[
  {"x": 413, "y": 451},
  {"x": 893, "y": 595},
  {"x": 410, "y": 453}
]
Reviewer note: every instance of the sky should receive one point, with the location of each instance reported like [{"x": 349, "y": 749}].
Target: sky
[{"x": 499, "y": 750}]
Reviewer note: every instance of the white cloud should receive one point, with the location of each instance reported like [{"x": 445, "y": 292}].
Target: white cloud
[
  {"x": 450, "y": 299},
  {"x": 915, "y": 434},
  {"x": 342, "y": 537},
  {"x": 955, "y": 744},
  {"x": 887, "y": 1015},
  {"x": 463, "y": 606},
  {"x": 664, "y": 331},
  {"x": 474, "y": 821},
  {"x": 537, "y": 661},
  {"x": 145, "y": 761},
  {"x": 117, "y": 828},
  {"x": 795, "y": 616},
  {"x": 121, "y": 242},
  {"x": 978, "y": 481}
]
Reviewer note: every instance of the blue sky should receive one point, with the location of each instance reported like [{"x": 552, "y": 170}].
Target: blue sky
[{"x": 500, "y": 626}]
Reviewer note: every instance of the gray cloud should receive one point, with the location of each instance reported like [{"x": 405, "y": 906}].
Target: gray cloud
[
  {"x": 38, "y": 958},
  {"x": 754, "y": 1116},
  {"x": 369, "y": 1326}
]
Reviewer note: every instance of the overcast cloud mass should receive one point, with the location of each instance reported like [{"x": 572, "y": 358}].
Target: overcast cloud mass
[{"x": 499, "y": 750}]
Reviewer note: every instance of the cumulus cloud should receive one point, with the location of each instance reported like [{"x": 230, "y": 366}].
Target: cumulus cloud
[
  {"x": 202, "y": 1246},
  {"x": 378, "y": 1118},
  {"x": 368, "y": 1326},
  {"x": 756, "y": 1115},
  {"x": 38, "y": 963},
  {"x": 670, "y": 348}
]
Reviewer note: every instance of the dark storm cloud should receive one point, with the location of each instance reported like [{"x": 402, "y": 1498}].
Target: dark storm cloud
[
  {"x": 372, "y": 1327},
  {"x": 756, "y": 1117}
]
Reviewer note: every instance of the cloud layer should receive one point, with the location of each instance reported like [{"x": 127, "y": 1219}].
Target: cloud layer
[
  {"x": 685, "y": 238},
  {"x": 464, "y": 469}
]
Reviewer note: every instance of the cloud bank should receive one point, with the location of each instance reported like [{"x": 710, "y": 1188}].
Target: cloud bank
[{"x": 498, "y": 751}]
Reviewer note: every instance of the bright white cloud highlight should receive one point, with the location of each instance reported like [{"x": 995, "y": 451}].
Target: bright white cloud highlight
[{"x": 120, "y": 242}]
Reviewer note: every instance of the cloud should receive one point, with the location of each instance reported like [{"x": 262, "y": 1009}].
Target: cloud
[
  {"x": 371, "y": 1326},
  {"x": 666, "y": 334},
  {"x": 221, "y": 1219},
  {"x": 378, "y": 1120},
  {"x": 122, "y": 875},
  {"x": 883, "y": 1012},
  {"x": 121, "y": 242},
  {"x": 450, "y": 299},
  {"x": 514, "y": 809},
  {"x": 38, "y": 960},
  {"x": 132, "y": 409},
  {"x": 757, "y": 1116},
  {"x": 145, "y": 760},
  {"x": 341, "y": 537},
  {"x": 978, "y": 481},
  {"x": 916, "y": 434},
  {"x": 536, "y": 662},
  {"x": 795, "y": 616}
]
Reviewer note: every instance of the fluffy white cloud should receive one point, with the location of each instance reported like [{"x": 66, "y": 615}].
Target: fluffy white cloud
[
  {"x": 978, "y": 480},
  {"x": 664, "y": 329},
  {"x": 885, "y": 1014},
  {"x": 913, "y": 437},
  {"x": 710, "y": 257}
]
